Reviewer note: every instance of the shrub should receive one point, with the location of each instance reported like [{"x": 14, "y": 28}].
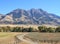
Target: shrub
[
  {"x": 30, "y": 29},
  {"x": 57, "y": 29},
  {"x": 50, "y": 29},
  {"x": 42, "y": 28}
]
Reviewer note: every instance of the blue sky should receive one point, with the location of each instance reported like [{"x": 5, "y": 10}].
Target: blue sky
[{"x": 51, "y": 6}]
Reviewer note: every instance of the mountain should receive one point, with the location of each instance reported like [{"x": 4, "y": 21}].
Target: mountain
[{"x": 32, "y": 16}]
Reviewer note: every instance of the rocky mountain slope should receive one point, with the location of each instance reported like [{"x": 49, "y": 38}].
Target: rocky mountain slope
[{"x": 32, "y": 16}]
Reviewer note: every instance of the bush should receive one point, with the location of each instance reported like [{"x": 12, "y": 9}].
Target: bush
[
  {"x": 25, "y": 30},
  {"x": 57, "y": 29},
  {"x": 30, "y": 29},
  {"x": 16, "y": 29},
  {"x": 45, "y": 29},
  {"x": 42, "y": 28},
  {"x": 50, "y": 29}
]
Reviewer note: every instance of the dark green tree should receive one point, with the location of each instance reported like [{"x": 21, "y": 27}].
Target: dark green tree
[
  {"x": 57, "y": 29},
  {"x": 42, "y": 28},
  {"x": 50, "y": 29},
  {"x": 25, "y": 30},
  {"x": 30, "y": 29}
]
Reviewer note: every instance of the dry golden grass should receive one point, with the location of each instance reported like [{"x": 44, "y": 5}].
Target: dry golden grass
[
  {"x": 44, "y": 36},
  {"x": 24, "y": 43},
  {"x": 4, "y": 35},
  {"x": 8, "y": 37}
]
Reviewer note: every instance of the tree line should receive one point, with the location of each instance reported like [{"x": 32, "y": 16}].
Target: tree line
[
  {"x": 15, "y": 29},
  {"x": 30, "y": 29}
]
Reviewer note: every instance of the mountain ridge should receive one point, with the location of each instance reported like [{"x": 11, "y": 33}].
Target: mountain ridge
[{"x": 32, "y": 16}]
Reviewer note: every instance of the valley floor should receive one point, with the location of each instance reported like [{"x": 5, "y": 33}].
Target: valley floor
[{"x": 29, "y": 38}]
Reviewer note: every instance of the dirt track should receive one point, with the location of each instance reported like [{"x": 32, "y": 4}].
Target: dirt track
[{"x": 21, "y": 37}]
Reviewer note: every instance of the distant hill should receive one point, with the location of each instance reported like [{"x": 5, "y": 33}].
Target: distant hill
[{"x": 32, "y": 16}]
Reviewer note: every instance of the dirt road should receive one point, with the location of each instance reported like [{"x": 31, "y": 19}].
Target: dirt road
[{"x": 21, "y": 37}]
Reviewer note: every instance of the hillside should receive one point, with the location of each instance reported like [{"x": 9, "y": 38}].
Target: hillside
[{"x": 32, "y": 16}]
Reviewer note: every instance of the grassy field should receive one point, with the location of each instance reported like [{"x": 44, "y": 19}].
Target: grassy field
[
  {"x": 4, "y": 35},
  {"x": 44, "y": 36},
  {"x": 8, "y": 37}
]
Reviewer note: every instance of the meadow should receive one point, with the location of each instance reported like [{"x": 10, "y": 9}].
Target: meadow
[
  {"x": 44, "y": 38},
  {"x": 40, "y": 38},
  {"x": 8, "y": 37}
]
